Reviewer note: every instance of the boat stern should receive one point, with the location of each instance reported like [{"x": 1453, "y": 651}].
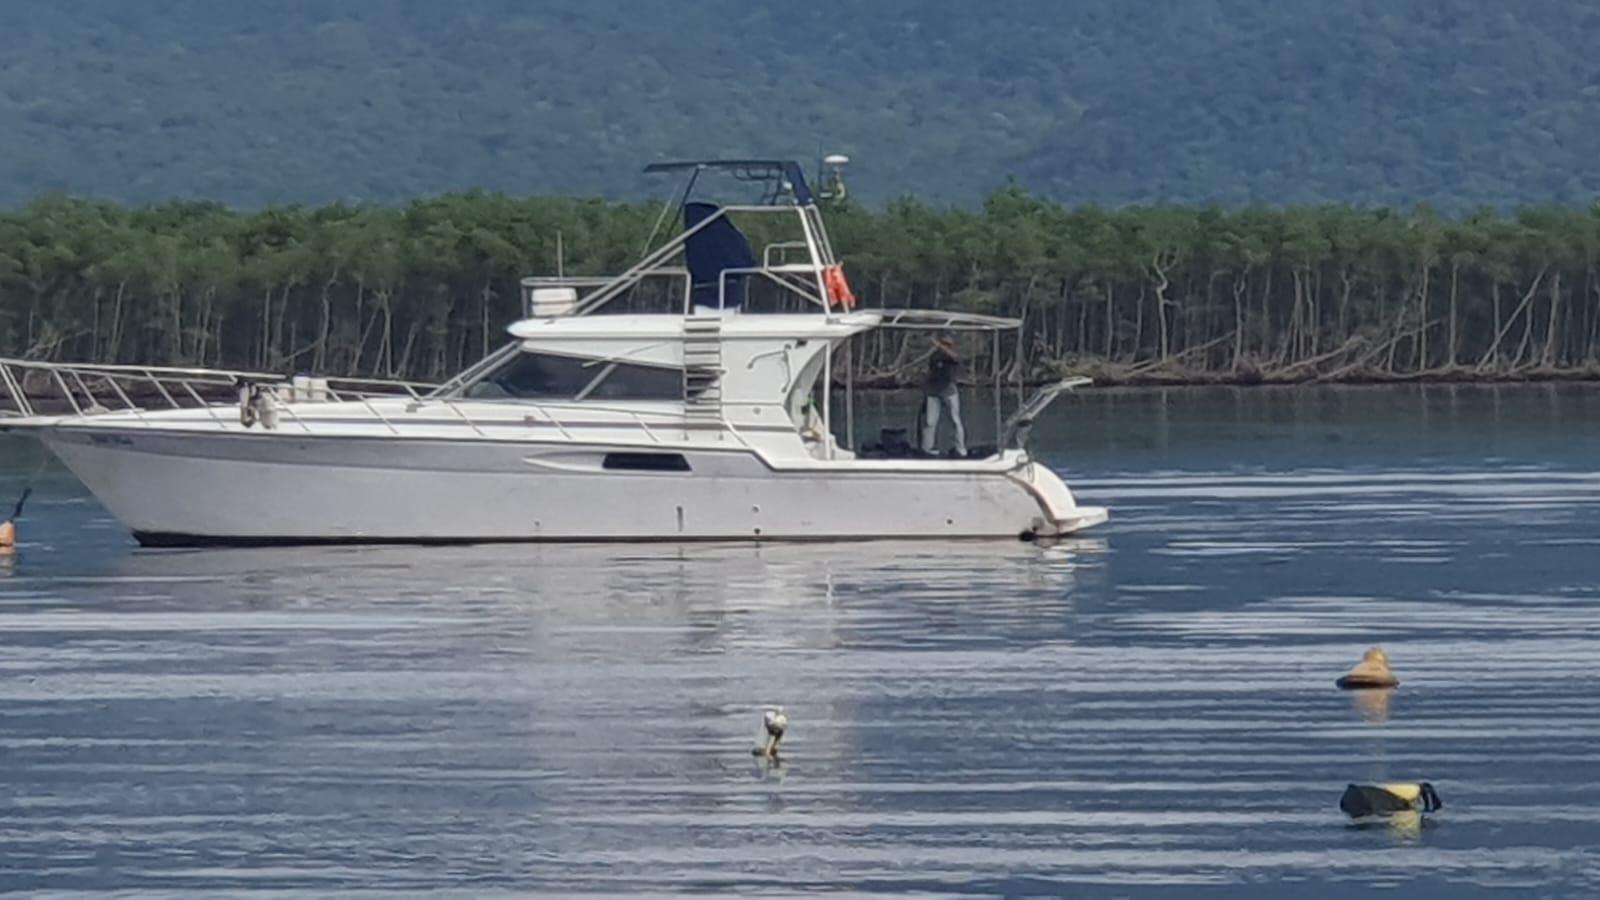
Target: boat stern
[
  {"x": 1082, "y": 517},
  {"x": 1059, "y": 511}
]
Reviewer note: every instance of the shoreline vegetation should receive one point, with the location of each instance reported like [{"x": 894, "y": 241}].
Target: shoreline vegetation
[{"x": 1132, "y": 296}]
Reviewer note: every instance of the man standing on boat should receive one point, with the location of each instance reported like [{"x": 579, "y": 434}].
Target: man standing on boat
[{"x": 940, "y": 392}]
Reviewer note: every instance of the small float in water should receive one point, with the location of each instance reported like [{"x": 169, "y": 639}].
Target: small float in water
[
  {"x": 1365, "y": 801},
  {"x": 8, "y": 528},
  {"x": 773, "y": 724},
  {"x": 1372, "y": 673}
]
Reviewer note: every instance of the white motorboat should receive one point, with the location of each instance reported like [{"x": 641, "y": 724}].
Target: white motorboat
[{"x": 708, "y": 416}]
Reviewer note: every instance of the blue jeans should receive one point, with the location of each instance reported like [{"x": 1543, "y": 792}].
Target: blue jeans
[{"x": 931, "y": 406}]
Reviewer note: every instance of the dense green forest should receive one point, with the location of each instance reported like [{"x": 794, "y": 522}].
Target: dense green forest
[
  {"x": 1389, "y": 102},
  {"x": 1137, "y": 293}
]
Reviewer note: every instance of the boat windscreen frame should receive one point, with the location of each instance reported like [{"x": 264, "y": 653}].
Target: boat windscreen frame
[
  {"x": 456, "y": 384},
  {"x": 605, "y": 367}
]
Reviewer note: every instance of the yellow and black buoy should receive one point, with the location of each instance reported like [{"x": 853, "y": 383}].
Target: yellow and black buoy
[
  {"x": 1371, "y": 672},
  {"x": 1362, "y": 801}
]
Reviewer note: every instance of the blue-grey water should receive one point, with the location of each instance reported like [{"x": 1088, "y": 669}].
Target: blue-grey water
[{"x": 1148, "y": 709}]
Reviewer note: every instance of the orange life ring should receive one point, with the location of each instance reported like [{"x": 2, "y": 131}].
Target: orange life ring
[{"x": 838, "y": 289}]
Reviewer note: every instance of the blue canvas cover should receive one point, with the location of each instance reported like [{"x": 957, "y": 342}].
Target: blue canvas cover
[{"x": 712, "y": 250}]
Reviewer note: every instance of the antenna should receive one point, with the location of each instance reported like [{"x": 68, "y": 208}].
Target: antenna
[{"x": 830, "y": 177}]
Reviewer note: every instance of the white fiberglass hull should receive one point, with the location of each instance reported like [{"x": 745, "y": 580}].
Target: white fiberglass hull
[{"x": 199, "y": 488}]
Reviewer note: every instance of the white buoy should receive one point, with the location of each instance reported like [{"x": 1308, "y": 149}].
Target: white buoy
[{"x": 773, "y": 724}]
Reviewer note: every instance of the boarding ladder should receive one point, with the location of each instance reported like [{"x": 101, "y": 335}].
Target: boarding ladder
[{"x": 702, "y": 370}]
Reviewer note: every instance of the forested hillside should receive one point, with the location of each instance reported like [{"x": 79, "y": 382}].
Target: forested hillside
[
  {"x": 1453, "y": 102},
  {"x": 1163, "y": 293},
  {"x": 1204, "y": 189}
]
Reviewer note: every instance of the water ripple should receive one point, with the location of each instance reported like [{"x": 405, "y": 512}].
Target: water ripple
[{"x": 1148, "y": 709}]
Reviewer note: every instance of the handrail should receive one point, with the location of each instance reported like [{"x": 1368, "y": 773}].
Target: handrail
[
  {"x": 410, "y": 387},
  {"x": 166, "y": 371},
  {"x": 634, "y": 273},
  {"x": 379, "y": 413},
  {"x": 286, "y": 407},
  {"x": 816, "y": 244},
  {"x": 126, "y": 400},
  {"x": 537, "y": 281},
  {"x": 775, "y": 276},
  {"x": 19, "y": 397},
  {"x": 62, "y": 382},
  {"x": 197, "y": 399},
  {"x": 766, "y": 252},
  {"x": 551, "y": 418},
  {"x": 925, "y": 319},
  {"x": 645, "y": 427},
  {"x": 164, "y": 393},
  {"x": 158, "y": 376},
  {"x": 728, "y": 426},
  {"x": 93, "y": 388},
  {"x": 92, "y": 392},
  {"x": 464, "y": 417}
]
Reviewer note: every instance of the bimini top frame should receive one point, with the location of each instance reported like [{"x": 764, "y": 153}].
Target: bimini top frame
[{"x": 781, "y": 177}]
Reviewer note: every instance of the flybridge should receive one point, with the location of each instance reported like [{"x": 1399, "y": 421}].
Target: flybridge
[{"x": 710, "y": 267}]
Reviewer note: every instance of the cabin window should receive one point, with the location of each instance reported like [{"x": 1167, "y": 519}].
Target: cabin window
[
  {"x": 630, "y": 381},
  {"x": 646, "y": 462},
  {"x": 550, "y": 376}
]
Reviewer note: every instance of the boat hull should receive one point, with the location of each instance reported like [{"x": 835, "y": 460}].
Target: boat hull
[{"x": 198, "y": 488}]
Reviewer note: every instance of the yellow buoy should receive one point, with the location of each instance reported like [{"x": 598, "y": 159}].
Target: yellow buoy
[
  {"x": 8, "y": 528},
  {"x": 1371, "y": 672}
]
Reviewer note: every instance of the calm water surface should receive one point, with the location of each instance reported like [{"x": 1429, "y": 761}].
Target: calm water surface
[{"x": 1145, "y": 710}]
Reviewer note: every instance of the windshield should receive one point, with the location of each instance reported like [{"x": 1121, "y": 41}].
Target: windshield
[{"x": 549, "y": 376}]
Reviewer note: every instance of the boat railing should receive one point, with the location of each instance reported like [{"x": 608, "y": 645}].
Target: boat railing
[
  {"x": 781, "y": 250},
  {"x": 34, "y": 387},
  {"x": 796, "y": 266}
]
